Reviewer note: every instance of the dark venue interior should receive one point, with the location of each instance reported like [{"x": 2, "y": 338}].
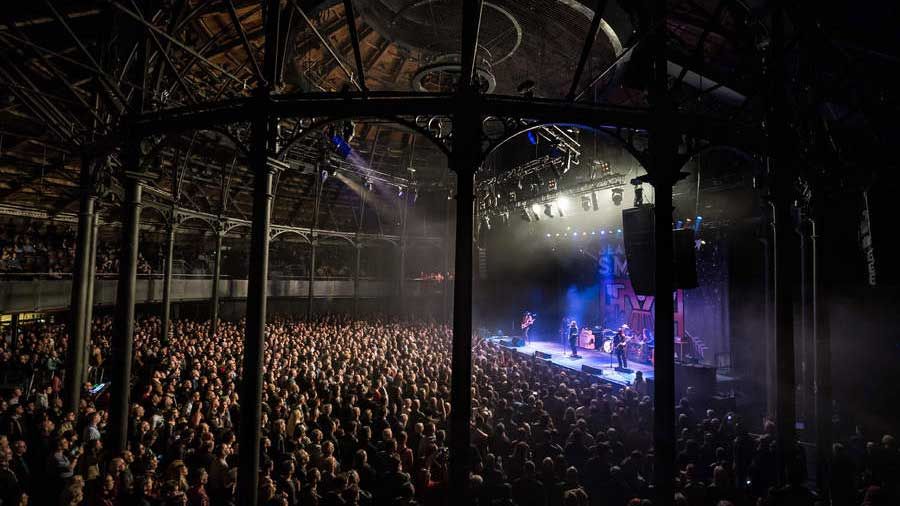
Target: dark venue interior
[{"x": 428, "y": 252}]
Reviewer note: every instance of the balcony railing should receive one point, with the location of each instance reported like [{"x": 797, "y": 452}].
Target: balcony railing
[{"x": 41, "y": 292}]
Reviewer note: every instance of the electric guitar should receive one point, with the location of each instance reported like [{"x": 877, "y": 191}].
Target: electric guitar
[
  {"x": 622, "y": 346},
  {"x": 527, "y": 321}
]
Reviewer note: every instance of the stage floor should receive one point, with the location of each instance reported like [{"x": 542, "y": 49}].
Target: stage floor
[{"x": 597, "y": 359}]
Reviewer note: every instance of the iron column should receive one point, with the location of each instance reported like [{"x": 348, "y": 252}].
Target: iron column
[
  {"x": 313, "y": 243},
  {"x": 465, "y": 159},
  {"x": 123, "y": 320},
  {"x": 92, "y": 275},
  {"x": 401, "y": 274},
  {"x": 217, "y": 269},
  {"x": 167, "y": 281},
  {"x": 358, "y": 247},
  {"x": 255, "y": 334},
  {"x": 779, "y": 132},
  {"x": 822, "y": 342},
  {"x": 663, "y": 152},
  {"x": 79, "y": 302}
]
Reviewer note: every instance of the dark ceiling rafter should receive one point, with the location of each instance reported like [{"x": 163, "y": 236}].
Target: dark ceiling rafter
[
  {"x": 111, "y": 88},
  {"x": 161, "y": 50},
  {"x": 599, "y": 10},
  {"x": 697, "y": 56},
  {"x": 184, "y": 47},
  {"x": 471, "y": 11},
  {"x": 33, "y": 103},
  {"x": 248, "y": 47},
  {"x": 218, "y": 50},
  {"x": 173, "y": 22},
  {"x": 325, "y": 43},
  {"x": 183, "y": 25},
  {"x": 54, "y": 70},
  {"x": 354, "y": 40}
]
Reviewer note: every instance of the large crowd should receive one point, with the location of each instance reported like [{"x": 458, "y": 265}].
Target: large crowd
[
  {"x": 356, "y": 413},
  {"x": 48, "y": 248}
]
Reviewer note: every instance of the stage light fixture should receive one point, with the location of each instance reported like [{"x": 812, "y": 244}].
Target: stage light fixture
[
  {"x": 593, "y": 232},
  {"x": 638, "y": 196},
  {"x": 548, "y": 235},
  {"x": 618, "y": 230},
  {"x": 532, "y": 137},
  {"x": 341, "y": 146},
  {"x": 324, "y": 175},
  {"x": 585, "y": 203},
  {"x": 400, "y": 191},
  {"x": 548, "y": 210},
  {"x": 617, "y": 194},
  {"x": 562, "y": 205},
  {"x": 603, "y": 232}
]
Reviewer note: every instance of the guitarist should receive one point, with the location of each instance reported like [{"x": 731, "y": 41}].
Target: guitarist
[
  {"x": 527, "y": 322},
  {"x": 573, "y": 339},
  {"x": 620, "y": 346}
]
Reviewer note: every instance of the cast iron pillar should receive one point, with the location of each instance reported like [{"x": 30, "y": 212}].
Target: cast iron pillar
[
  {"x": 255, "y": 333},
  {"x": 313, "y": 244},
  {"x": 80, "y": 282},
  {"x": 217, "y": 270},
  {"x": 821, "y": 334},
  {"x": 663, "y": 152},
  {"x": 779, "y": 136},
  {"x": 123, "y": 320},
  {"x": 92, "y": 276},
  {"x": 358, "y": 247},
  {"x": 464, "y": 161},
  {"x": 401, "y": 269},
  {"x": 401, "y": 303},
  {"x": 167, "y": 282},
  {"x": 448, "y": 283}
]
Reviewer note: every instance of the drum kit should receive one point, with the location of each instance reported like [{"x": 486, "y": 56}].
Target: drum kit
[{"x": 638, "y": 350}]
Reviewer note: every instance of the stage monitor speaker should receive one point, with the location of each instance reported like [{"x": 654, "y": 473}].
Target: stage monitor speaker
[
  {"x": 640, "y": 251},
  {"x": 637, "y": 229},
  {"x": 513, "y": 342},
  {"x": 543, "y": 356},
  {"x": 591, "y": 370}
]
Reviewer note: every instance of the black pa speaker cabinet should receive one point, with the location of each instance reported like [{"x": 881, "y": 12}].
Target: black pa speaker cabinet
[
  {"x": 637, "y": 230},
  {"x": 685, "y": 258},
  {"x": 701, "y": 378},
  {"x": 640, "y": 250},
  {"x": 591, "y": 370}
]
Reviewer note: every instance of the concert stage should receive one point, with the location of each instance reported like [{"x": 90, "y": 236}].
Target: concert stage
[{"x": 559, "y": 355}]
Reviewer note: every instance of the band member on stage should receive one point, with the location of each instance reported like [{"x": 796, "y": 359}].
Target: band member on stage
[
  {"x": 527, "y": 322},
  {"x": 620, "y": 346},
  {"x": 573, "y": 338}
]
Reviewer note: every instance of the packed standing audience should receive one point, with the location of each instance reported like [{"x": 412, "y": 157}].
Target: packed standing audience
[
  {"x": 356, "y": 412},
  {"x": 49, "y": 248}
]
